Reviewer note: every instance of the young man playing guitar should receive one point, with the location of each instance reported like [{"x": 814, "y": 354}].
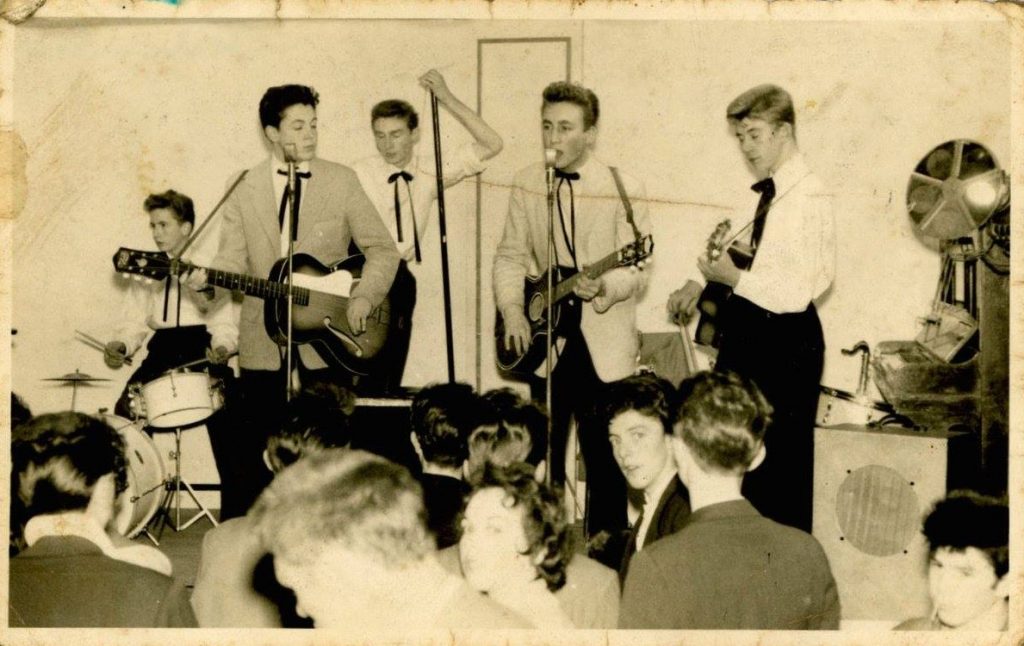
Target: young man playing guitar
[
  {"x": 769, "y": 328},
  {"x": 590, "y": 221},
  {"x": 333, "y": 211}
]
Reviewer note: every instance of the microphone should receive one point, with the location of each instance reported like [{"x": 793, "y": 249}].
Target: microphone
[
  {"x": 291, "y": 155},
  {"x": 550, "y": 154}
]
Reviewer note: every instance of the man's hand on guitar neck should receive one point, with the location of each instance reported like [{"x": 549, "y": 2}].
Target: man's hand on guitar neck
[
  {"x": 682, "y": 303},
  {"x": 517, "y": 329},
  {"x": 588, "y": 288}
]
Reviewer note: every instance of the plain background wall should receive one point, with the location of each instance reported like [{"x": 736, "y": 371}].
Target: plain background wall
[{"x": 111, "y": 111}]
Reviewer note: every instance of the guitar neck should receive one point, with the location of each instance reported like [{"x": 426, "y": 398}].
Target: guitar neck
[
  {"x": 565, "y": 287},
  {"x": 250, "y": 285}
]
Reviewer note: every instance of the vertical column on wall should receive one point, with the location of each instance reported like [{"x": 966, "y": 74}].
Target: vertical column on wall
[{"x": 511, "y": 74}]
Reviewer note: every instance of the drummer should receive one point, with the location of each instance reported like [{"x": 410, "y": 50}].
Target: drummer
[{"x": 188, "y": 326}]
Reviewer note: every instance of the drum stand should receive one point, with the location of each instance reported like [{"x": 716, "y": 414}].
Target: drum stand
[{"x": 173, "y": 496}]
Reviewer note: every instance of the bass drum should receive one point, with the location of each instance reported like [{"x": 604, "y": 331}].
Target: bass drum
[
  {"x": 146, "y": 473},
  {"x": 837, "y": 407}
]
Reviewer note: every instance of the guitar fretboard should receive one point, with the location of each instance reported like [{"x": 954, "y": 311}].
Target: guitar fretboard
[
  {"x": 565, "y": 287},
  {"x": 251, "y": 286}
]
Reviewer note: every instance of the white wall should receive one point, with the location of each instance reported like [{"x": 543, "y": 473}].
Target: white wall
[{"x": 112, "y": 111}]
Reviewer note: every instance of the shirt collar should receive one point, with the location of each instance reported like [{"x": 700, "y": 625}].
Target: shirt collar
[
  {"x": 790, "y": 172},
  {"x": 277, "y": 164},
  {"x": 727, "y": 509},
  {"x": 73, "y": 523}
]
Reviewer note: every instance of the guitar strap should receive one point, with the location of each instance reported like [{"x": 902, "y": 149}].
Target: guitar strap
[{"x": 625, "y": 202}]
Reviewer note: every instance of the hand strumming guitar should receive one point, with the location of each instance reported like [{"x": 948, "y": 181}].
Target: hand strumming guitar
[
  {"x": 358, "y": 311},
  {"x": 517, "y": 329}
]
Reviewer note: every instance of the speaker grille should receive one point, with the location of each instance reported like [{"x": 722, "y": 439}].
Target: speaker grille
[{"x": 877, "y": 510}]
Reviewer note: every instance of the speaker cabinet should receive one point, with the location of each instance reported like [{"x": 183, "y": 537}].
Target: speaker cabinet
[{"x": 872, "y": 490}]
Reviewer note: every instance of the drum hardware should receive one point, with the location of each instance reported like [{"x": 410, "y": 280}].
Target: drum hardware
[
  {"x": 172, "y": 498},
  {"x": 146, "y": 474},
  {"x": 75, "y": 378}
]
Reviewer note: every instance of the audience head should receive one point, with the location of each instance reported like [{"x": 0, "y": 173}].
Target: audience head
[
  {"x": 569, "y": 115},
  {"x": 514, "y": 431},
  {"x": 288, "y": 117},
  {"x": 721, "y": 425},
  {"x": 968, "y": 544},
  {"x": 640, "y": 412},
  {"x": 317, "y": 419},
  {"x": 344, "y": 527},
  {"x": 395, "y": 131},
  {"x": 764, "y": 123},
  {"x": 67, "y": 462},
  {"x": 20, "y": 412},
  {"x": 514, "y": 531},
  {"x": 442, "y": 417}
]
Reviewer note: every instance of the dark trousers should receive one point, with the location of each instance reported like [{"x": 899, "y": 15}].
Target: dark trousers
[
  {"x": 575, "y": 391},
  {"x": 170, "y": 348},
  {"x": 261, "y": 410},
  {"x": 784, "y": 355},
  {"x": 386, "y": 369}
]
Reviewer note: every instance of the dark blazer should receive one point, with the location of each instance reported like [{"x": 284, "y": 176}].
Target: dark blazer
[
  {"x": 670, "y": 515},
  {"x": 69, "y": 582}
]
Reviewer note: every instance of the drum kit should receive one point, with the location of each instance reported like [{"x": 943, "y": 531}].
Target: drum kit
[{"x": 176, "y": 400}]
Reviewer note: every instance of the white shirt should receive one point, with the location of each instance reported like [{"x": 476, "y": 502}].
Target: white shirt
[
  {"x": 84, "y": 526},
  {"x": 795, "y": 261},
  {"x": 280, "y": 183},
  {"x": 652, "y": 496},
  {"x": 373, "y": 173},
  {"x": 143, "y": 310}
]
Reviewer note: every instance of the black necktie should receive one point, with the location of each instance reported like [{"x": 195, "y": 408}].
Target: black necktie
[
  {"x": 766, "y": 188},
  {"x": 299, "y": 176},
  {"x": 570, "y": 234},
  {"x": 407, "y": 177}
]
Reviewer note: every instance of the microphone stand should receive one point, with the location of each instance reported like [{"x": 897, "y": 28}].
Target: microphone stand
[
  {"x": 549, "y": 174},
  {"x": 443, "y": 230},
  {"x": 293, "y": 208}
]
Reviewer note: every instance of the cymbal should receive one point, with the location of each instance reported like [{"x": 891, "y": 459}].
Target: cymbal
[{"x": 75, "y": 377}]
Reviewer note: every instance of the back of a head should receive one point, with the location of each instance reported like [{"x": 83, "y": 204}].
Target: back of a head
[
  {"x": 647, "y": 394},
  {"x": 516, "y": 432},
  {"x": 348, "y": 498},
  {"x": 968, "y": 519},
  {"x": 57, "y": 458},
  {"x": 722, "y": 420},
  {"x": 566, "y": 92},
  {"x": 442, "y": 417},
  {"x": 317, "y": 419},
  {"x": 278, "y": 99},
  {"x": 769, "y": 103}
]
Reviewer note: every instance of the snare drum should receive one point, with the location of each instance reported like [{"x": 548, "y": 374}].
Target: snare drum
[
  {"x": 837, "y": 407},
  {"x": 178, "y": 399},
  {"x": 140, "y": 502}
]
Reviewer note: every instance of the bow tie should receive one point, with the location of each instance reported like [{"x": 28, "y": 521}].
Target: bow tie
[
  {"x": 298, "y": 173},
  {"x": 766, "y": 187},
  {"x": 404, "y": 175},
  {"x": 561, "y": 174}
]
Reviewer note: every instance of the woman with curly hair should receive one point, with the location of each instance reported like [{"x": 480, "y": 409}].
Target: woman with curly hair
[{"x": 515, "y": 544}]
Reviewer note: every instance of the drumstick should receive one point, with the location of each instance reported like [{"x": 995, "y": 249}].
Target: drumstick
[
  {"x": 98, "y": 345},
  {"x": 197, "y": 362}
]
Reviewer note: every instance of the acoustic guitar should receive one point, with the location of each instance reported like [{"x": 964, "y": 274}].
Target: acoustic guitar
[
  {"x": 320, "y": 297},
  {"x": 536, "y": 301},
  {"x": 714, "y": 295}
]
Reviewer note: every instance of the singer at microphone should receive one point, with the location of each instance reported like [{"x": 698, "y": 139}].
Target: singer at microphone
[
  {"x": 550, "y": 155},
  {"x": 590, "y": 223}
]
